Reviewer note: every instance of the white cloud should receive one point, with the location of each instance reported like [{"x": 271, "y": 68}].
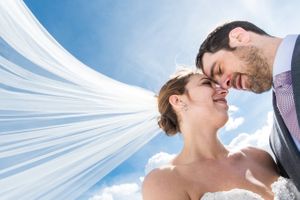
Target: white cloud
[
  {"x": 158, "y": 160},
  {"x": 259, "y": 138},
  {"x": 120, "y": 192},
  {"x": 232, "y": 109},
  {"x": 233, "y": 123},
  {"x": 132, "y": 190}
]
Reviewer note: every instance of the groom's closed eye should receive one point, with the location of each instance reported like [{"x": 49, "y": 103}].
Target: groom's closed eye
[
  {"x": 215, "y": 70},
  {"x": 212, "y": 70},
  {"x": 219, "y": 70}
]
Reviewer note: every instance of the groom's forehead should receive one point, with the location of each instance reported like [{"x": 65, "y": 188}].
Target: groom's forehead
[
  {"x": 211, "y": 60},
  {"x": 209, "y": 63}
]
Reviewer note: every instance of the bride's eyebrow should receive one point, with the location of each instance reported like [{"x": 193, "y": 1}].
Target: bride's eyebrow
[
  {"x": 209, "y": 79},
  {"x": 204, "y": 79}
]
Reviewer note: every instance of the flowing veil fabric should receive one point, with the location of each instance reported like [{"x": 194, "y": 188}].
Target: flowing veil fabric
[{"x": 63, "y": 126}]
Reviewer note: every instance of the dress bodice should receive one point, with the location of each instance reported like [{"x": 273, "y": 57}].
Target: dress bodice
[{"x": 283, "y": 189}]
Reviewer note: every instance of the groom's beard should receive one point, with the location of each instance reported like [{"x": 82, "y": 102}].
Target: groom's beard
[{"x": 257, "y": 70}]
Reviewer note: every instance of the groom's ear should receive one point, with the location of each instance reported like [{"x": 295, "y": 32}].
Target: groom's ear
[{"x": 238, "y": 37}]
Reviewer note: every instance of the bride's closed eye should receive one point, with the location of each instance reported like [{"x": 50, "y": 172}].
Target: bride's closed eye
[{"x": 206, "y": 81}]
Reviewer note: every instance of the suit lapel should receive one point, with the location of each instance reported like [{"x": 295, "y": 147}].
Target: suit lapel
[{"x": 296, "y": 77}]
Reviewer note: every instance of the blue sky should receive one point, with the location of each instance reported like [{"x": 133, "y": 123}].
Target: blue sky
[{"x": 142, "y": 42}]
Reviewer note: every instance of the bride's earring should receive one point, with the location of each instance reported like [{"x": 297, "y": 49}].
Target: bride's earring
[{"x": 184, "y": 107}]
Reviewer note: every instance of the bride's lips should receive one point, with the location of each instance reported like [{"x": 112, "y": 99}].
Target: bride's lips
[{"x": 221, "y": 100}]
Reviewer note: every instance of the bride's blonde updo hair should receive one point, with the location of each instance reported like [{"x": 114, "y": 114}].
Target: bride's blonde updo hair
[{"x": 168, "y": 120}]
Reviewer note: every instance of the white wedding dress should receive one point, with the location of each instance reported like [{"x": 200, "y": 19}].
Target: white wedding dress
[{"x": 283, "y": 189}]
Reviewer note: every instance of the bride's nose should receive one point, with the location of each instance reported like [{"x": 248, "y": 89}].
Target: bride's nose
[{"x": 221, "y": 91}]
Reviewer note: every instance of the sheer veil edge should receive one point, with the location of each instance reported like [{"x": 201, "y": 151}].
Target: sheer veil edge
[{"x": 63, "y": 126}]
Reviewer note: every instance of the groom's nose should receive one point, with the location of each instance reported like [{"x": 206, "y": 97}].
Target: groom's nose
[{"x": 225, "y": 82}]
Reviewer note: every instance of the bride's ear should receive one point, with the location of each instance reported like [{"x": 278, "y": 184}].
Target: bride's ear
[
  {"x": 175, "y": 101},
  {"x": 238, "y": 37}
]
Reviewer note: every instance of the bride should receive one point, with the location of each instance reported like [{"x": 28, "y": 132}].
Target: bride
[{"x": 205, "y": 169}]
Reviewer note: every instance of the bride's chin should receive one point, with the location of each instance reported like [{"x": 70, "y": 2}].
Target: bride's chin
[{"x": 223, "y": 120}]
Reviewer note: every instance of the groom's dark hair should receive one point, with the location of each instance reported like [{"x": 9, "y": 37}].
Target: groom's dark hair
[{"x": 219, "y": 38}]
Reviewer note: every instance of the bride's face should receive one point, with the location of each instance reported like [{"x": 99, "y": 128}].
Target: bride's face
[{"x": 206, "y": 100}]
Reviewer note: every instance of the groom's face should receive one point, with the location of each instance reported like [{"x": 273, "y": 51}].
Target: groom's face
[{"x": 244, "y": 68}]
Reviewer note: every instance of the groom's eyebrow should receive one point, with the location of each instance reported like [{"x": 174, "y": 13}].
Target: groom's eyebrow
[{"x": 212, "y": 69}]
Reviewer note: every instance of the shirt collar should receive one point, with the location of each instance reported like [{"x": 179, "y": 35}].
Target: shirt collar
[{"x": 283, "y": 58}]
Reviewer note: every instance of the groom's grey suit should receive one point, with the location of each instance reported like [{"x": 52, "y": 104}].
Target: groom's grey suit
[{"x": 286, "y": 153}]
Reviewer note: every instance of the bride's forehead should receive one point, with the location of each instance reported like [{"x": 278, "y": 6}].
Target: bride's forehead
[{"x": 197, "y": 77}]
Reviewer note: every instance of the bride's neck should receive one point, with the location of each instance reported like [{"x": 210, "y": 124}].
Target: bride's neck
[{"x": 202, "y": 144}]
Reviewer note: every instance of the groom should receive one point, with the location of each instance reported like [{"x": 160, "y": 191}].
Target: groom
[{"x": 241, "y": 55}]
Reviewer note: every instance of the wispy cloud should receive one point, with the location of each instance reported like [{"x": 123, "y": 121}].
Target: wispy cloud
[
  {"x": 132, "y": 190},
  {"x": 158, "y": 160},
  {"x": 119, "y": 192},
  {"x": 259, "y": 138},
  {"x": 233, "y": 123}
]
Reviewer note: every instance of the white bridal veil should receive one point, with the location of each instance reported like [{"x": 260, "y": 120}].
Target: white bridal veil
[{"x": 63, "y": 126}]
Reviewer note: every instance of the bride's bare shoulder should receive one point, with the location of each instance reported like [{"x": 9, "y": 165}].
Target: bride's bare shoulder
[
  {"x": 166, "y": 171},
  {"x": 163, "y": 183},
  {"x": 259, "y": 155}
]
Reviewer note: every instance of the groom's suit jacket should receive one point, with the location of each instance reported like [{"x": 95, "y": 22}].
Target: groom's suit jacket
[{"x": 282, "y": 144}]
